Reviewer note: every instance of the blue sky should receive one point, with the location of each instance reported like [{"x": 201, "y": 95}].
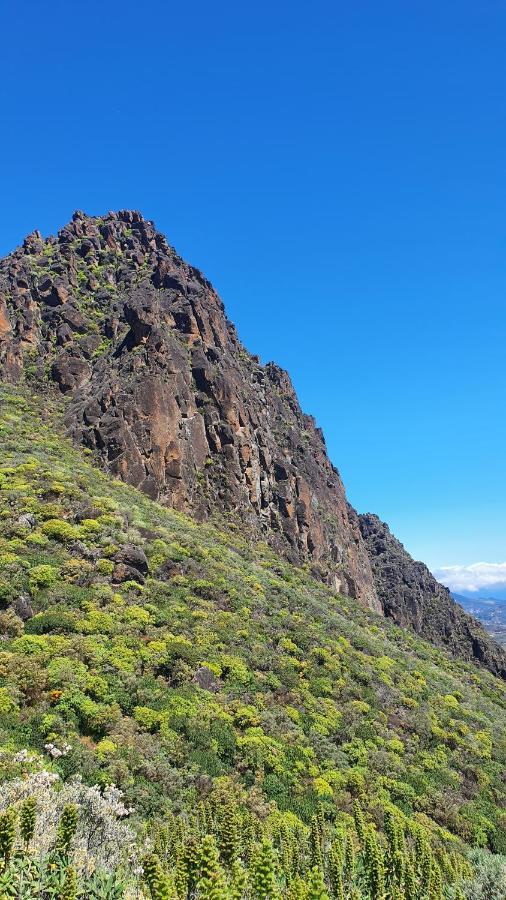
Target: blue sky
[{"x": 338, "y": 170}]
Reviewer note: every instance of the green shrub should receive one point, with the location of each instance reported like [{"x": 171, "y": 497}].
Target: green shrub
[
  {"x": 54, "y": 620},
  {"x": 60, "y": 530},
  {"x": 43, "y": 576}
]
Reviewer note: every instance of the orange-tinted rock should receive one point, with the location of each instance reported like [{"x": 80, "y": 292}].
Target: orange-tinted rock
[{"x": 5, "y": 325}]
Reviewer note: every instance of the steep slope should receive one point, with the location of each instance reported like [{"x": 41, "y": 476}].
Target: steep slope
[
  {"x": 412, "y": 597},
  {"x": 177, "y": 661},
  {"x": 156, "y": 382}
]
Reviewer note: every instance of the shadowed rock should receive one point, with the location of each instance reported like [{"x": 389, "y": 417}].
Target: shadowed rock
[{"x": 412, "y": 597}]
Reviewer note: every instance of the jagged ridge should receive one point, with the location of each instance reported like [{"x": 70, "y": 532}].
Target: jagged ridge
[
  {"x": 158, "y": 383},
  {"x": 412, "y": 597}
]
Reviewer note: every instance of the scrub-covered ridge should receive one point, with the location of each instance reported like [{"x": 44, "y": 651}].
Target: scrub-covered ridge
[
  {"x": 156, "y": 382},
  {"x": 270, "y": 737}
]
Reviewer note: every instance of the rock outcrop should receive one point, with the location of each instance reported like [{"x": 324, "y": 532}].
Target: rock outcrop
[
  {"x": 411, "y": 596},
  {"x": 156, "y": 382}
]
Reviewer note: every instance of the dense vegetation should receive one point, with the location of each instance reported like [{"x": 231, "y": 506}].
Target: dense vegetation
[{"x": 261, "y": 736}]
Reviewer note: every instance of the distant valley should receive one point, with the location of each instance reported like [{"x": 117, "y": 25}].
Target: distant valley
[{"x": 490, "y": 611}]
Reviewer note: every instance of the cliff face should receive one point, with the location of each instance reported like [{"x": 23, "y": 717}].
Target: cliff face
[
  {"x": 155, "y": 380},
  {"x": 411, "y": 596}
]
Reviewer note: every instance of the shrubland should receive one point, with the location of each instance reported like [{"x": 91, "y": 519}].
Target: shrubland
[{"x": 208, "y": 720}]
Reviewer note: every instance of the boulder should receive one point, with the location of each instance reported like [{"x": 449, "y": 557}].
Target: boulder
[
  {"x": 133, "y": 558},
  {"x": 207, "y": 680},
  {"x": 23, "y": 608}
]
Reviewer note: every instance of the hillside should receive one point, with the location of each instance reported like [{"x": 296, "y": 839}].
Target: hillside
[
  {"x": 412, "y": 597},
  {"x": 154, "y": 380},
  {"x": 158, "y": 383},
  {"x": 186, "y": 665}
]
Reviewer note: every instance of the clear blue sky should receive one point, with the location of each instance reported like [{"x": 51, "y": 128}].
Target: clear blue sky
[{"x": 338, "y": 170}]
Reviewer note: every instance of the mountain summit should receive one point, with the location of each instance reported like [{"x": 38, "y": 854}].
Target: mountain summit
[{"x": 156, "y": 382}]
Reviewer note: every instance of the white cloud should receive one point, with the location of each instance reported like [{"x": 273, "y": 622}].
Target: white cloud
[{"x": 472, "y": 578}]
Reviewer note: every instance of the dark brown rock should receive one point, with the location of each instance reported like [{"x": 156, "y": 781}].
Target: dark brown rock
[
  {"x": 69, "y": 371},
  {"x": 123, "y": 572},
  {"x": 79, "y": 548},
  {"x": 133, "y": 557},
  {"x": 23, "y": 608},
  {"x": 412, "y": 597},
  {"x": 207, "y": 680}
]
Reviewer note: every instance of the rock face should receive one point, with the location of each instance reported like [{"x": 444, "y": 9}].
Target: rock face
[
  {"x": 412, "y": 597},
  {"x": 157, "y": 383}
]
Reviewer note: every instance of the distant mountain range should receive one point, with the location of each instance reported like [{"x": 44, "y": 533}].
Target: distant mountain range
[{"x": 490, "y": 611}]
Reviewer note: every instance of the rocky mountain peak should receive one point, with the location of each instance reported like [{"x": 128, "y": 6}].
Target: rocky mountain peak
[{"x": 156, "y": 382}]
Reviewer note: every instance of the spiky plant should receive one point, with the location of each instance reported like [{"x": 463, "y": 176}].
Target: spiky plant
[{"x": 67, "y": 827}]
